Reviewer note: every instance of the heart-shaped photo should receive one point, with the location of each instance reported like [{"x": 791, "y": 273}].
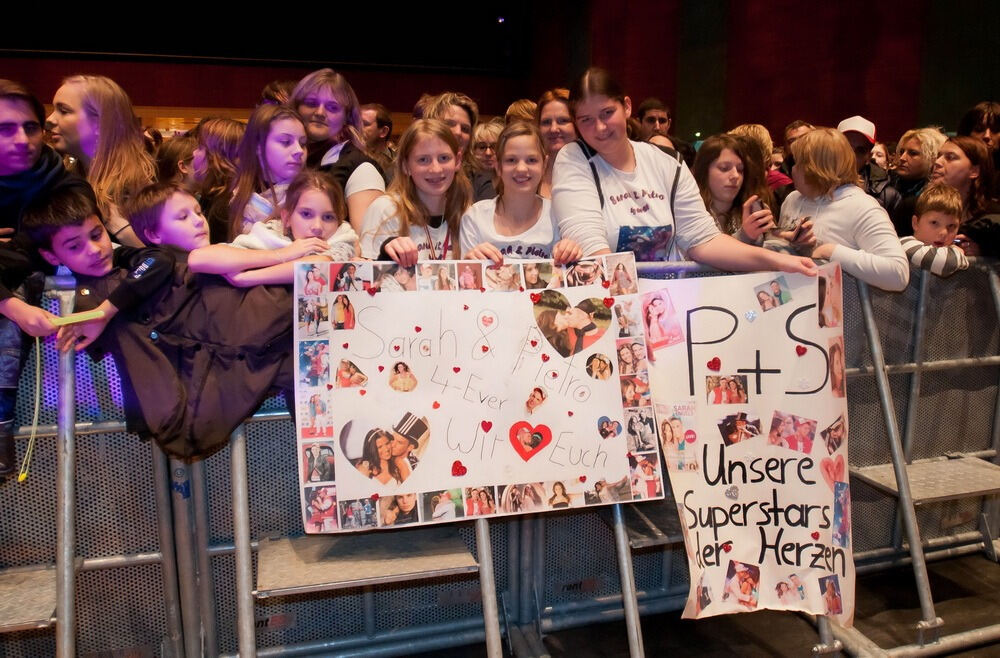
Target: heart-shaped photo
[
  {"x": 529, "y": 440},
  {"x": 833, "y": 469},
  {"x": 570, "y": 329},
  {"x": 608, "y": 428},
  {"x": 387, "y": 454}
]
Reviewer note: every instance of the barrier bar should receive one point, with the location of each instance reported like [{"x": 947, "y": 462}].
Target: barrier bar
[
  {"x": 167, "y": 556},
  {"x": 632, "y": 623},
  {"x": 66, "y": 497},
  {"x": 491, "y": 614},
  {"x": 241, "y": 538},
  {"x": 187, "y": 578},
  {"x": 206, "y": 586}
]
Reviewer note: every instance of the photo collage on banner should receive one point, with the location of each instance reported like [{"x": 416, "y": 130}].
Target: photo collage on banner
[
  {"x": 747, "y": 380},
  {"x": 499, "y": 390}
]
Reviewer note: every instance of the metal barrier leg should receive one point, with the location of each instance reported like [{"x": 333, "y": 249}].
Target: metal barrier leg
[
  {"x": 168, "y": 564},
  {"x": 992, "y": 504},
  {"x": 244, "y": 554},
  {"x": 187, "y": 571},
  {"x": 930, "y": 620},
  {"x": 631, "y": 603},
  {"x": 206, "y": 585},
  {"x": 828, "y": 646},
  {"x": 491, "y": 614},
  {"x": 66, "y": 497}
]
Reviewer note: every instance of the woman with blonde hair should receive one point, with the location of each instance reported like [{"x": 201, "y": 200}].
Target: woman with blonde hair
[
  {"x": 92, "y": 120},
  {"x": 916, "y": 152},
  {"x": 332, "y": 116},
  {"x": 844, "y": 224}
]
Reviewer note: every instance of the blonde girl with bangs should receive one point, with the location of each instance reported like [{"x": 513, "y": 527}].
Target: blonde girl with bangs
[
  {"x": 93, "y": 121},
  {"x": 332, "y": 116},
  {"x": 829, "y": 216},
  {"x": 419, "y": 216}
]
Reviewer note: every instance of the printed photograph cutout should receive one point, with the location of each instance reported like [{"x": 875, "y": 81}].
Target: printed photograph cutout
[
  {"x": 833, "y": 436},
  {"x": 650, "y": 243},
  {"x": 522, "y": 497},
  {"x": 640, "y": 430},
  {"x": 314, "y": 363},
  {"x": 830, "y": 290},
  {"x": 503, "y": 278},
  {"x": 318, "y": 462},
  {"x": 631, "y": 356},
  {"x": 349, "y": 375},
  {"x": 726, "y": 389},
  {"x": 386, "y": 454},
  {"x": 739, "y": 427},
  {"x": 480, "y": 501},
  {"x": 621, "y": 272},
  {"x": 358, "y": 514},
  {"x": 584, "y": 273},
  {"x": 395, "y": 278},
  {"x": 401, "y": 377},
  {"x": 607, "y": 428},
  {"x": 536, "y": 398},
  {"x": 837, "y": 376},
  {"x": 314, "y": 418},
  {"x": 663, "y": 328},
  {"x": 702, "y": 595},
  {"x": 314, "y": 316},
  {"x": 313, "y": 279},
  {"x": 842, "y": 514},
  {"x": 528, "y": 440},
  {"x": 570, "y": 329},
  {"x": 321, "y": 508},
  {"x": 562, "y": 495},
  {"x": 628, "y": 318},
  {"x": 742, "y": 584},
  {"x": 343, "y": 316},
  {"x": 792, "y": 432},
  {"x": 787, "y": 594},
  {"x": 829, "y": 588},
  {"x": 635, "y": 390},
  {"x": 400, "y": 509},
  {"x": 444, "y": 505},
  {"x": 541, "y": 275},
  {"x": 645, "y": 476},
  {"x": 436, "y": 276},
  {"x": 680, "y": 452},
  {"x": 599, "y": 367},
  {"x": 470, "y": 275},
  {"x": 351, "y": 277},
  {"x": 772, "y": 294}
]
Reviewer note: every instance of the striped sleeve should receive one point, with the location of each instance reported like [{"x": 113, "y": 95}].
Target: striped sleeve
[{"x": 942, "y": 261}]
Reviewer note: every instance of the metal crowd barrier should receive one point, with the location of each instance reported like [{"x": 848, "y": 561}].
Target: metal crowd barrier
[{"x": 173, "y": 569}]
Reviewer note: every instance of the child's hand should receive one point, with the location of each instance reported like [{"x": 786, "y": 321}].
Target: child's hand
[
  {"x": 32, "y": 320},
  {"x": 485, "y": 251},
  {"x": 5, "y": 234},
  {"x": 79, "y": 336},
  {"x": 970, "y": 248},
  {"x": 566, "y": 251},
  {"x": 302, "y": 248},
  {"x": 403, "y": 250},
  {"x": 755, "y": 224},
  {"x": 797, "y": 264}
]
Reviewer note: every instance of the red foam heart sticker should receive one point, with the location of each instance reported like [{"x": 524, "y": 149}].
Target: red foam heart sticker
[
  {"x": 329, "y": 387},
  {"x": 374, "y": 497},
  {"x": 815, "y": 535},
  {"x": 487, "y": 320},
  {"x": 606, "y": 283},
  {"x": 609, "y": 301},
  {"x": 395, "y": 348},
  {"x": 800, "y": 349},
  {"x": 521, "y": 288},
  {"x": 465, "y": 307},
  {"x": 554, "y": 374},
  {"x": 436, "y": 405},
  {"x": 362, "y": 391},
  {"x": 457, "y": 370},
  {"x": 482, "y": 290},
  {"x": 715, "y": 364},
  {"x": 372, "y": 291},
  {"x": 535, "y": 297},
  {"x": 569, "y": 413},
  {"x": 583, "y": 478},
  {"x": 485, "y": 348},
  {"x": 381, "y": 368},
  {"x": 418, "y": 329},
  {"x": 728, "y": 546},
  {"x": 528, "y": 441},
  {"x": 344, "y": 345},
  {"x": 487, "y": 425},
  {"x": 545, "y": 358},
  {"x": 534, "y": 343},
  {"x": 458, "y": 469}
]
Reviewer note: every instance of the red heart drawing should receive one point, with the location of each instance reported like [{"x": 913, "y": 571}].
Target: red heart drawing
[
  {"x": 728, "y": 546},
  {"x": 344, "y": 345},
  {"x": 374, "y": 497},
  {"x": 800, "y": 349},
  {"x": 534, "y": 343},
  {"x": 487, "y": 320},
  {"x": 535, "y": 297},
  {"x": 329, "y": 387},
  {"x": 362, "y": 391},
  {"x": 715, "y": 364},
  {"x": 487, "y": 425},
  {"x": 436, "y": 405},
  {"x": 418, "y": 329},
  {"x": 583, "y": 478},
  {"x": 485, "y": 348},
  {"x": 458, "y": 469},
  {"x": 381, "y": 368},
  {"x": 545, "y": 358},
  {"x": 609, "y": 301},
  {"x": 833, "y": 470},
  {"x": 528, "y": 441},
  {"x": 457, "y": 369},
  {"x": 372, "y": 291},
  {"x": 815, "y": 535},
  {"x": 606, "y": 283}
]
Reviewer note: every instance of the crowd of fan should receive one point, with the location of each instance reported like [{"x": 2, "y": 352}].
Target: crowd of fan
[{"x": 223, "y": 211}]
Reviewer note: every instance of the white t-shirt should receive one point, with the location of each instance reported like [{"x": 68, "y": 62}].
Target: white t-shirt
[
  {"x": 636, "y": 214},
  {"x": 364, "y": 177},
  {"x": 380, "y": 223},
  {"x": 536, "y": 242},
  {"x": 866, "y": 243}
]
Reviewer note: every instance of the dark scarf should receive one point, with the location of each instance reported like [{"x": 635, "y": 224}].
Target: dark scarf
[{"x": 18, "y": 190}]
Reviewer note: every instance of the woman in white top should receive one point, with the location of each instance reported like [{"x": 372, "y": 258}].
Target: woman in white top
[
  {"x": 647, "y": 202},
  {"x": 517, "y": 224},
  {"x": 847, "y": 225}
]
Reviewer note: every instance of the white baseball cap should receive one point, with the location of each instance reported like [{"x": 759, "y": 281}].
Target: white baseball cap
[{"x": 858, "y": 124}]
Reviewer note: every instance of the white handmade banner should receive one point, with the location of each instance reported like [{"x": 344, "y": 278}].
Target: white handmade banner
[
  {"x": 748, "y": 386},
  {"x": 454, "y": 390}
]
